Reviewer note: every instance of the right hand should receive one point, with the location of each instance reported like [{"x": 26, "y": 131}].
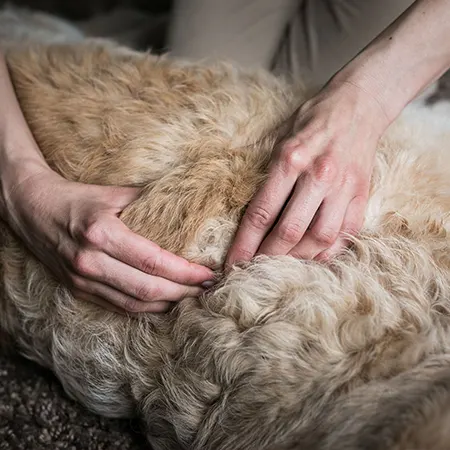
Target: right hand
[
  {"x": 319, "y": 179},
  {"x": 74, "y": 229}
]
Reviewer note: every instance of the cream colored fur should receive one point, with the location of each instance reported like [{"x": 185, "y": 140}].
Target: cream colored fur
[{"x": 352, "y": 354}]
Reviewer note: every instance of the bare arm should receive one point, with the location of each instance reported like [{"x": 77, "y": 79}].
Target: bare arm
[
  {"x": 324, "y": 169},
  {"x": 407, "y": 57},
  {"x": 19, "y": 154},
  {"x": 74, "y": 228}
]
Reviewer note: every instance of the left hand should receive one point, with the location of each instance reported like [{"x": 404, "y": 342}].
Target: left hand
[{"x": 319, "y": 179}]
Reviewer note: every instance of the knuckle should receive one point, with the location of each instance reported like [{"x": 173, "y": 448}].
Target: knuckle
[
  {"x": 325, "y": 169},
  {"x": 294, "y": 158},
  {"x": 149, "y": 294},
  {"x": 296, "y": 254},
  {"x": 95, "y": 234},
  {"x": 259, "y": 217},
  {"x": 243, "y": 254},
  {"x": 84, "y": 264},
  {"x": 149, "y": 265},
  {"x": 157, "y": 294},
  {"x": 350, "y": 179},
  {"x": 325, "y": 237},
  {"x": 351, "y": 229},
  {"x": 143, "y": 293},
  {"x": 291, "y": 233},
  {"x": 132, "y": 305}
]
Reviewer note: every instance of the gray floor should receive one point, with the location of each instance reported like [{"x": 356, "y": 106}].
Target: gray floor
[{"x": 36, "y": 415}]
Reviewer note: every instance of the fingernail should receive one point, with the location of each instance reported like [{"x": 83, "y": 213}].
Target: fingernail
[{"x": 208, "y": 284}]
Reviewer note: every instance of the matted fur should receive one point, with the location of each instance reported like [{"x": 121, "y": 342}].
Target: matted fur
[{"x": 282, "y": 353}]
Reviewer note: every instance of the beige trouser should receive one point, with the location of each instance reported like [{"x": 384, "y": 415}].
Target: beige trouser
[{"x": 311, "y": 39}]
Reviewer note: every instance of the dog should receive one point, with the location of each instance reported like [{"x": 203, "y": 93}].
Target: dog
[{"x": 282, "y": 353}]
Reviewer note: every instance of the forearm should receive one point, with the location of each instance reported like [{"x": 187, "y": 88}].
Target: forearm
[
  {"x": 409, "y": 55},
  {"x": 19, "y": 153}
]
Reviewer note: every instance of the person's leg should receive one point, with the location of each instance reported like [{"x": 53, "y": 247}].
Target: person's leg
[
  {"x": 325, "y": 34},
  {"x": 245, "y": 31}
]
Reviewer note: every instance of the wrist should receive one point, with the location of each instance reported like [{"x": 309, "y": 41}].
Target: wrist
[
  {"x": 387, "y": 80},
  {"x": 375, "y": 73},
  {"x": 13, "y": 173},
  {"x": 359, "y": 96},
  {"x": 404, "y": 59},
  {"x": 20, "y": 157}
]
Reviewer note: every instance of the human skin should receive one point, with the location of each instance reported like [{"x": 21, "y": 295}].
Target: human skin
[
  {"x": 74, "y": 228},
  {"x": 319, "y": 178}
]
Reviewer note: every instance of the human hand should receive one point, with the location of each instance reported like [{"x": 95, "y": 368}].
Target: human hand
[
  {"x": 319, "y": 179},
  {"x": 74, "y": 229}
]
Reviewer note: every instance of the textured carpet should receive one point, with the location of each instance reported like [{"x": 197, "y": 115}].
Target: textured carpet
[{"x": 35, "y": 414}]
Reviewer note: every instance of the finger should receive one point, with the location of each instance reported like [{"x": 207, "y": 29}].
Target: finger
[
  {"x": 98, "y": 268},
  {"x": 354, "y": 216},
  {"x": 140, "y": 253},
  {"x": 333, "y": 251},
  {"x": 325, "y": 229},
  {"x": 263, "y": 210},
  {"x": 121, "y": 196},
  {"x": 299, "y": 212},
  {"x": 352, "y": 224},
  {"x": 90, "y": 298},
  {"x": 94, "y": 290}
]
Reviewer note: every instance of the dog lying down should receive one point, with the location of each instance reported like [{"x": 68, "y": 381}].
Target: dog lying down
[{"x": 283, "y": 353}]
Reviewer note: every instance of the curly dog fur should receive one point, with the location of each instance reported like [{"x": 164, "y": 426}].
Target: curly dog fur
[{"x": 283, "y": 353}]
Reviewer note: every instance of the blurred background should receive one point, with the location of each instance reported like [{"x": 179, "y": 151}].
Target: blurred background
[
  {"x": 84, "y": 9},
  {"x": 141, "y": 24}
]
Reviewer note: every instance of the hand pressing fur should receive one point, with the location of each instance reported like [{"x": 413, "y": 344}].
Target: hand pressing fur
[
  {"x": 75, "y": 230},
  {"x": 319, "y": 179}
]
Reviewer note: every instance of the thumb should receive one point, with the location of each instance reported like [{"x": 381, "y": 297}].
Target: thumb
[{"x": 121, "y": 197}]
